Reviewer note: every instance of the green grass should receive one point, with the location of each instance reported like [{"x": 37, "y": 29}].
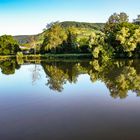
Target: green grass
[
  {"x": 66, "y": 56},
  {"x": 6, "y": 57},
  {"x": 50, "y": 56}
]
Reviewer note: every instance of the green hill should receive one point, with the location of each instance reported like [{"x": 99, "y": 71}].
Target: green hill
[
  {"x": 25, "y": 40},
  {"x": 95, "y": 26}
]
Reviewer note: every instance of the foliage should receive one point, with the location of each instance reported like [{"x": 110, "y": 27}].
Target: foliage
[
  {"x": 54, "y": 38},
  {"x": 114, "y": 20},
  {"x": 8, "y": 46},
  {"x": 98, "y": 46},
  {"x": 119, "y": 39},
  {"x": 119, "y": 76},
  {"x": 19, "y": 58},
  {"x": 127, "y": 39},
  {"x": 95, "y": 26},
  {"x": 65, "y": 40},
  {"x": 122, "y": 36},
  {"x": 8, "y": 67},
  {"x": 24, "y": 40}
]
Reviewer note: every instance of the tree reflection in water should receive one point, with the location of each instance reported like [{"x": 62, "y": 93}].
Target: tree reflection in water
[
  {"x": 120, "y": 76},
  {"x": 8, "y": 67}
]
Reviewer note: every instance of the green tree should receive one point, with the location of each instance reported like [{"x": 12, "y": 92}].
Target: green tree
[
  {"x": 70, "y": 44},
  {"x": 8, "y": 46},
  {"x": 123, "y": 17},
  {"x": 98, "y": 46},
  {"x": 128, "y": 40},
  {"x": 54, "y": 38},
  {"x": 114, "y": 20},
  {"x": 122, "y": 36}
]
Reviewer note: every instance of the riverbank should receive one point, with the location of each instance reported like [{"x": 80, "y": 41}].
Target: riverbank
[
  {"x": 50, "y": 56},
  {"x": 7, "y": 57},
  {"x": 66, "y": 56}
]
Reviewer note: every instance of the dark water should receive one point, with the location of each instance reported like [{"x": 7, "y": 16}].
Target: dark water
[{"x": 70, "y": 100}]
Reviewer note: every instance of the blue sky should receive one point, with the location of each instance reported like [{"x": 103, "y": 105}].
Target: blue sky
[{"x": 18, "y": 17}]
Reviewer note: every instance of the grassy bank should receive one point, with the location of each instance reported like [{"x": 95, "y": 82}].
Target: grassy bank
[
  {"x": 49, "y": 56},
  {"x": 7, "y": 57},
  {"x": 66, "y": 56}
]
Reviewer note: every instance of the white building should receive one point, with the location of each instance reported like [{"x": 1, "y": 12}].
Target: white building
[{"x": 137, "y": 21}]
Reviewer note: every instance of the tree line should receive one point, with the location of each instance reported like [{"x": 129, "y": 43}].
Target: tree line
[{"x": 117, "y": 38}]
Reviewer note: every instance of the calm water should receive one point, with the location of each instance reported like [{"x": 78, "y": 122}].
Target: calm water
[{"x": 79, "y": 100}]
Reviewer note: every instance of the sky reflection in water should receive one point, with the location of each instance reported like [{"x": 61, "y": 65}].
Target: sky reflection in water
[{"x": 70, "y": 100}]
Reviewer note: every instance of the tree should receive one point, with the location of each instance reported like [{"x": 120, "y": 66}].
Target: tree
[
  {"x": 128, "y": 40},
  {"x": 98, "y": 46},
  {"x": 8, "y": 46},
  {"x": 122, "y": 36},
  {"x": 70, "y": 44},
  {"x": 54, "y": 38},
  {"x": 114, "y": 20},
  {"x": 33, "y": 44},
  {"x": 123, "y": 17},
  {"x": 125, "y": 38},
  {"x": 50, "y": 25}
]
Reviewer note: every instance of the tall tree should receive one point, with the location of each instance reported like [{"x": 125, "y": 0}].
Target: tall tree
[
  {"x": 54, "y": 38},
  {"x": 114, "y": 20},
  {"x": 8, "y": 46}
]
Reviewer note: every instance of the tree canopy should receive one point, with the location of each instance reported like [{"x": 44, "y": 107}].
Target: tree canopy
[{"x": 8, "y": 46}]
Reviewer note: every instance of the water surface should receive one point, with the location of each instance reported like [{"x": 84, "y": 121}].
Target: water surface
[{"x": 70, "y": 100}]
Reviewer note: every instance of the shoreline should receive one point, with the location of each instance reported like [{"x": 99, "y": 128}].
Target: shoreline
[{"x": 57, "y": 57}]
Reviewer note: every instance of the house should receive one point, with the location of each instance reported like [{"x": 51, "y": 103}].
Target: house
[
  {"x": 25, "y": 50},
  {"x": 137, "y": 21}
]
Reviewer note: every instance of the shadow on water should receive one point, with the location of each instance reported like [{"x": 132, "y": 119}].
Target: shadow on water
[{"x": 119, "y": 76}]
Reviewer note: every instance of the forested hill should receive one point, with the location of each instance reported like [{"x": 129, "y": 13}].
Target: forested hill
[
  {"x": 25, "y": 39},
  {"x": 96, "y": 26}
]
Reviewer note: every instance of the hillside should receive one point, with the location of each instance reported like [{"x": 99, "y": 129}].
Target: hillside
[
  {"x": 26, "y": 39},
  {"x": 23, "y": 39},
  {"x": 95, "y": 26}
]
